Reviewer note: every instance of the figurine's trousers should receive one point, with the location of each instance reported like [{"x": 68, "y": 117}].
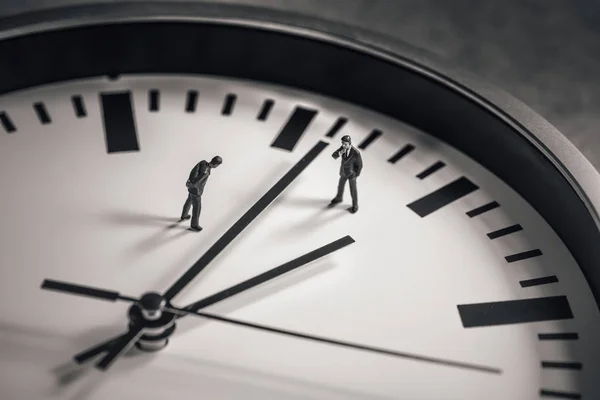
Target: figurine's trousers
[
  {"x": 194, "y": 202},
  {"x": 353, "y": 191}
]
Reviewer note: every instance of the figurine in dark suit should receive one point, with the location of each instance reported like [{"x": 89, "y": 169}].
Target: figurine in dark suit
[
  {"x": 350, "y": 169},
  {"x": 195, "y": 185}
]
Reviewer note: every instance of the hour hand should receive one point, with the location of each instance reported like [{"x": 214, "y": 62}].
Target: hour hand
[
  {"x": 82, "y": 290},
  {"x": 120, "y": 347},
  {"x": 92, "y": 352}
]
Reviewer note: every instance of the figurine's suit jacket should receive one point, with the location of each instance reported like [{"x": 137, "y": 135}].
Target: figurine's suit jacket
[
  {"x": 351, "y": 165},
  {"x": 198, "y": 178}
]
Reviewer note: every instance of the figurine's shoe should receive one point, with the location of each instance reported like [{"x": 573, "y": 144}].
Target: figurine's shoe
[
  {"x": 184, "y": 217},
  {"x": 335, "y": 201},
  {"x": 353, "y": 209},
  {"x": 196, "y": 228}
]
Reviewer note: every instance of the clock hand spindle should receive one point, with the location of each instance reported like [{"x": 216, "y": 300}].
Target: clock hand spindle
[{"x": 215, "y": 298}]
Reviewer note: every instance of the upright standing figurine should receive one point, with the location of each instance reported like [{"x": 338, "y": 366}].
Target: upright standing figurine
[
  {"x": 195, "y": 185},
  {"x": 349, "y": 171}
]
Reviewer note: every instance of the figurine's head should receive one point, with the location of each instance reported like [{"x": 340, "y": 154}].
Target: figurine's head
[
  {"x": 215, "y": 162},
  {"x": 346, "y": 142}
]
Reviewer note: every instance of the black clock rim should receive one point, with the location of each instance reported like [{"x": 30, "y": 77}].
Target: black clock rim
[{"x": 320, "y": 66}]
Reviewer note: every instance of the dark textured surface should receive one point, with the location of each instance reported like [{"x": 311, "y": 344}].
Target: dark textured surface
[{"x": 544, "y": 52}]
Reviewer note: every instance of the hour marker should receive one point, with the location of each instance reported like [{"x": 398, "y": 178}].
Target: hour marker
[
  {"x": 539, "y": 281},
  {"x": 42, "y": 113},
  {"x": 562, "y": 365},
  {"x": 401, "y": 153},
  {"x": 483, "y": 209},
  {"x": 558, "y": 336},
  {"x": 119, "y": 123},
  {"x": 191, "y": 100},
  {"x": 559, "y": 395},
  {"x": 435, "y": 167},
  {"x": 265, "y": 110},
  {"x": 294, "y": 128},
  {"x": 515, "y": 311},
  {"x": 443, "y": 196},
  {"x": 229, "y": 103},
  {"x": 78, "y": 106},
  {"x": 370, "y": 139},
  {"x": 339, "y": 124},
  {"x": 153, "y": 100},
  {"x": 6, "y": 122},
  {"x": 505, "y": 231},
  {"x": 523, "y": 256}
]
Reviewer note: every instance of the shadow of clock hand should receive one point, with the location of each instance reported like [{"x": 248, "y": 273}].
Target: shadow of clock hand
[
  {"x": 207, "y": 372},
  {"x": 87, "y": 389},
  {"x": 67, "y": 373},
  {"x": 78, "y": 382},
  {"x": 304, "y": 202}
]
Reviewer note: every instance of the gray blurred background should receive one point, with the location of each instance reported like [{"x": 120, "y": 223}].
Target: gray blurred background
[{"x": 544, "y": 52}]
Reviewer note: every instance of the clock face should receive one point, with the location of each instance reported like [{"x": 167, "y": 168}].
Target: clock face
[{"x": 448, "y": 261}]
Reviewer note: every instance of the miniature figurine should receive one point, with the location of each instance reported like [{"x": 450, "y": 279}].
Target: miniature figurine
[
  {"x": 195, "y": 185},
  {"x": 350, "y": 169}
]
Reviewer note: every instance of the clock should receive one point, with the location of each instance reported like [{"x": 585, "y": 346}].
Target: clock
[{"x": 379, "y": 225}]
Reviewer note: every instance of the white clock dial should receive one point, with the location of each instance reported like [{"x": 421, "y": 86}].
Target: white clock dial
[{"x": 75, "y": 209}]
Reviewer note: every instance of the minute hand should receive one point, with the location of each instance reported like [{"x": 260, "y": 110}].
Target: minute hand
[
  {"x": 244, "y": 221},
  {"x": 237, "y": 228}
]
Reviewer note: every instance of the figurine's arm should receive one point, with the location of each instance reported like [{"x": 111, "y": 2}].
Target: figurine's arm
[
  {"x": 358, "y": 164},
  {"x": 193, "y": 175},
  {"x": 202, "y": 174},
  {"x": 194, "y": 172},
  {"x": 336, "y": 154}
]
